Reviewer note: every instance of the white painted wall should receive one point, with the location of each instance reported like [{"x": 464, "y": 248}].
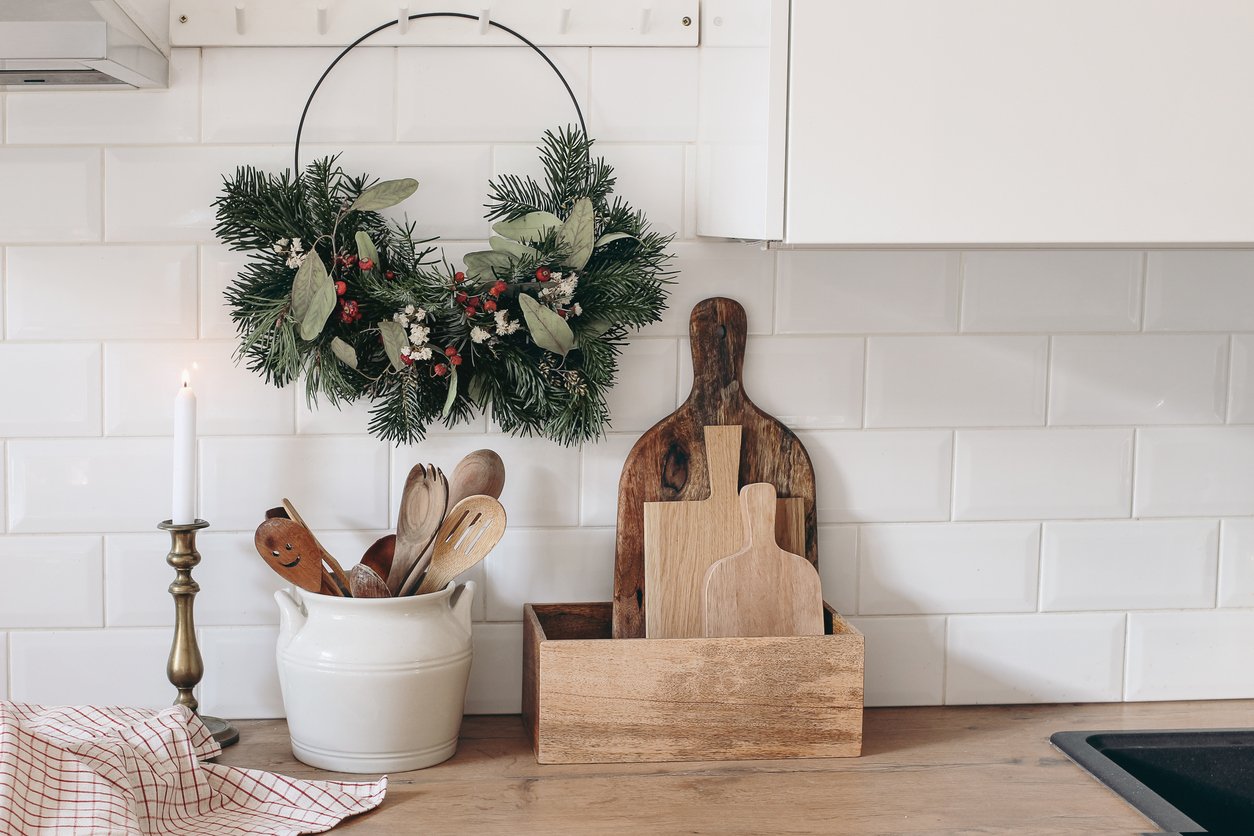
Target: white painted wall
[{"x": 1036, "y": 469}]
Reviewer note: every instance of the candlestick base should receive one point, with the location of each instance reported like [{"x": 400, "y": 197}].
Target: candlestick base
[
  {"x": 185, "y": 666},
  {"x": 222, "y": 731}
]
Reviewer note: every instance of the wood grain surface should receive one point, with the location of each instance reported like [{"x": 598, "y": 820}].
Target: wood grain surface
[
  {"x": 762, "y": 590},
  {"x": 587, "y": 699},
  {"x": 668, "y": 463},
  {"x": 933, "y": 770},
  {"x": 684, "y": 539}
]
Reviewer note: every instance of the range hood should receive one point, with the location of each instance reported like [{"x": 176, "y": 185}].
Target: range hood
[{"x": 75, "y": 44}]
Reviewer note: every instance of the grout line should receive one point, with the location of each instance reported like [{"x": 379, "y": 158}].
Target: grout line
[
  {"x": 1125, "y": 657},
  {"x": 953, "y": 475},
  {"x": 1221, "y": 530},
  {"x": 944, "y": 694},
  {"x": 962, "y": 289},
  {"x": 1143, "y": 284},
  {"x": 103, "y": 189},
  {"x": 1049, "y": 379},
  {"x": 1136, "y": 444},
  {"x": 1040, "y": 567},
  {"x": 200, "y": 95},
  {"x": 866, "y": 378}
]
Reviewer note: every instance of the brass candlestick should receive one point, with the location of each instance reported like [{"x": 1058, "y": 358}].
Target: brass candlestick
[{"x": 185, "y": 667}]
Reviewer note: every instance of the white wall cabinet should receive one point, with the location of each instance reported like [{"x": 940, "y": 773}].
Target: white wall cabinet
[{"x": 999, "y": 122}]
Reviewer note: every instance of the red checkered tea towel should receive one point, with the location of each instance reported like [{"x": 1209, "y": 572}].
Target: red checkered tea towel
[{"x": 115, "y": 771}]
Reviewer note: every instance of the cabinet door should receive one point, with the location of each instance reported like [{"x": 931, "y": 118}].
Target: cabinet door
[{"x": 1021, "y": 122}]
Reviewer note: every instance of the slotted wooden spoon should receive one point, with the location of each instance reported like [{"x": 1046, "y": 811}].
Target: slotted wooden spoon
[
  {"x": 289, "y": 549},
  {"x": 470, "y": 531},
  {"x": 423, "y": 503}
]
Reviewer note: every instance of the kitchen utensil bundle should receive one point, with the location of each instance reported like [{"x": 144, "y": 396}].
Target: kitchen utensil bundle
[{"x": 429, "y": 549}]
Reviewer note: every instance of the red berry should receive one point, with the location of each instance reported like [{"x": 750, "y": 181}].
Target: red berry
[
  {"x": 407, "y": 360},
  {"x": 349, "y": 312},
  {"x": 461, "y": 297},
  {"x": 450, "y": 352},
  {"x": 456, "y": 360},
  {"x": 340, "y": 288},
  {"x": 366, "y": 264},
  {"x": 459, "y": 276},
  {"x": 543, "y": 273},
  {"x": 498, "y": 288},
  {"x": 390, "y": 275},
  {"x": 561, "y": 312},
  {"x": 489, "y": 306},
  {"x": 350, "y": 259},
  {"x": 440, "y": 369}
]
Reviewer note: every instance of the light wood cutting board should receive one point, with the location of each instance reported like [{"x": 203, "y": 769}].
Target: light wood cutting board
[
  {"x": 762, "y": 590},
  {"x": 682, "y": 540}
]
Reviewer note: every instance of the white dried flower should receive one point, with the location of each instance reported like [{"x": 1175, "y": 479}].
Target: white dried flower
[
  {"x": 576, "y": 309},
  {"x": 406, "y": 350},
  {"x": 419, "y": 334},
  {"x": 420, "y": 314},
  {"x": 479, "y": 335},
  {"x": 279, "y": 245},
  {"x": 296, "y": 245},
  {"x": 401, "y": 320},
  {"x": 295, "y": 259},
  {"x": 409, "y": 310},
  {"x": 423, "y": 353}
]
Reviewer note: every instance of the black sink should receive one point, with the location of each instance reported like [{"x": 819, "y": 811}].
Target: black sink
[{"x": 1186, "y": 781}]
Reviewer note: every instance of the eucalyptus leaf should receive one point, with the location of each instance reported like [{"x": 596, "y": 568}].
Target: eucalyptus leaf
[
  {"x": 548, "y": 330},
  {"x": 394, "y": 339},
  {"x": 365, "y": 248},
  {"x": 483, "y": 264},
  {"x": 385, "y": 194},
  {"x": 313, "y": 296},
  {"x": 514, "y": 248},
  {"x": 578, "y": 235},
  {"x": 595, "y": 328},
  {"x": 344, "y": 352},
  {"x": 610, "y": 237},
  {"x": 528, "y": 229},
  {"x": 452, "y": 392}
]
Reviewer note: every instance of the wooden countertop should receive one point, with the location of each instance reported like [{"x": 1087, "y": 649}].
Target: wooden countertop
[{"x": 984, "y": 769}]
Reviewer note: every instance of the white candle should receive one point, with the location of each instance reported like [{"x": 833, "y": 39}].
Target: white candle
[{"x": 184, "y": 454}]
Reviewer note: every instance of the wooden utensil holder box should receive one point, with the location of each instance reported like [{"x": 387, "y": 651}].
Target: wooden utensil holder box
[{"x": 589, "y": 698}]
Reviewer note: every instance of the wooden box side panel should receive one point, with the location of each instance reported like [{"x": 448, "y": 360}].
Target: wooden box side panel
[
  {"x": 533, "y": 634},
  {"x": 699, "y": 699}
]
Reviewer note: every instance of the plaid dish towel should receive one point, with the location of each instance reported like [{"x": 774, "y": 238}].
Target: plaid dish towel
[{"x": 124, "y": 771}]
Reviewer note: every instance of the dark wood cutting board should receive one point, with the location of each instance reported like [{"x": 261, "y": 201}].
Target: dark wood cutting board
[{"x": 668, "y": 462}]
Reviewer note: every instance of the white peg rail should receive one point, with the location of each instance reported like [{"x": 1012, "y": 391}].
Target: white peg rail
[{"x": 339, "y": 22}]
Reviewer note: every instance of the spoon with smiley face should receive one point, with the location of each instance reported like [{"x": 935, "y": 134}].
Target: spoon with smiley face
[{"x": 289, "y": 549}]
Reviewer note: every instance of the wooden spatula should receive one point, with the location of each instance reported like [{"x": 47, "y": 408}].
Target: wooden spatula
[
  {"x": 762, "y": 590},
  {"x": 469, "y": 532},
  {"x": 289, "y": 549},
  {"x": 337, "y": 571}
]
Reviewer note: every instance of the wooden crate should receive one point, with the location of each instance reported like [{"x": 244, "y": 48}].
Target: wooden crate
[{"x": 588, "y": 698}]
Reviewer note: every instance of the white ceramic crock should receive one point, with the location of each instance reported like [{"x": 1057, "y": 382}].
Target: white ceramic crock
[{"x": 374, "y": 684}]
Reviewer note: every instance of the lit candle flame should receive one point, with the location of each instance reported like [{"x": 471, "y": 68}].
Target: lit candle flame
[{"x": 187, "y": 378}]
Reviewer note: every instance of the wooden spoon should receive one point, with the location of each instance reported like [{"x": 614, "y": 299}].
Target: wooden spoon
[
  {"x": 379, "y": 556},
  {"x": 472, "y": 529},
  {"x": 423, "y": 502},
  {"x": 366, "y": 583},
  {"x": 337, "y": 571},
  {"x": 289, "y": 549},
  {"x": 480, "y": 473}
]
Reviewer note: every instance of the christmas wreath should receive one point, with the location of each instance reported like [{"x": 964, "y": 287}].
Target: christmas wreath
[{"x": 359, "y": 307}]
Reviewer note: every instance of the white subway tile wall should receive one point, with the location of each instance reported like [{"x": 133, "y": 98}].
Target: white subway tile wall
[{"x": 1033, "y": 479}]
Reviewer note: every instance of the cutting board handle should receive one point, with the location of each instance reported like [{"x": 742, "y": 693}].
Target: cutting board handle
[
  {"x": 722, "y": 451},
  {"x": 718, "y": 327},
  {"x": 758, "y": 504}
]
